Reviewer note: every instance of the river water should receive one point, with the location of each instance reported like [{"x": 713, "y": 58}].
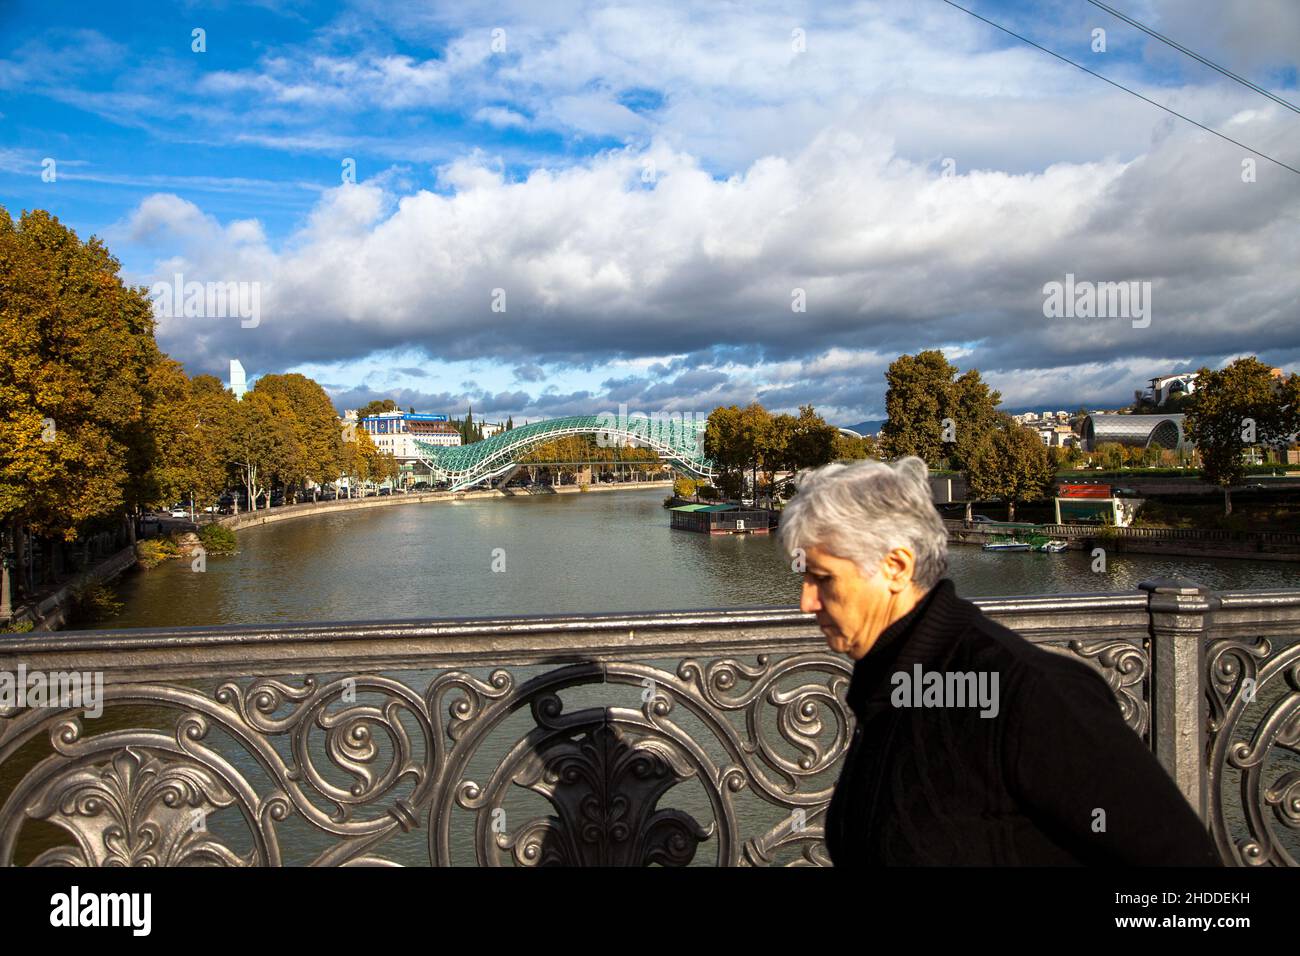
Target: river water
[{"x": 561, "y": 554}]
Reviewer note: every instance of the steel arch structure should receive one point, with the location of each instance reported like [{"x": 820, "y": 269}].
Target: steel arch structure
[
  {"x": 679, "y": 441},
  {"x": 1143, "y": 431}
]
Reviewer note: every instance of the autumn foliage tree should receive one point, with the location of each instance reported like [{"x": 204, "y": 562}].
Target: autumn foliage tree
[
  {"x": 77, "y": 356},
  {"x": 316, "y": 442}
]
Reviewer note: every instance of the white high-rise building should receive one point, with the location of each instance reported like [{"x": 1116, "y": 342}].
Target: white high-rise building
[{"x": 238, "y": 381}]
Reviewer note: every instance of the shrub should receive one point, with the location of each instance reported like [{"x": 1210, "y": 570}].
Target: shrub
[
  {"x": 92, "y": 605},
  {"x": 153, "y": 551},
  {"x": 217, "y": 539}
]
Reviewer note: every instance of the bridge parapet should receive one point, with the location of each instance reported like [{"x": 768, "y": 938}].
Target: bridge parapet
[{"x": 686, "y": 737}]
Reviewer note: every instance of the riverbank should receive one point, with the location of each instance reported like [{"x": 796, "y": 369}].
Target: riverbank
[
  {"x": 308, "y": 509},
  {"x": 1171, "y": 542},
  {"x": 51, "y": 613}
]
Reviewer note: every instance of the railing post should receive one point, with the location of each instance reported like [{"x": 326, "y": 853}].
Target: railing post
[{"x": 1179, "y": 612}]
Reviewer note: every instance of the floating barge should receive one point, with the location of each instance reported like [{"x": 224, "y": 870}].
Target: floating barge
[{"x": 721, "y": 519}]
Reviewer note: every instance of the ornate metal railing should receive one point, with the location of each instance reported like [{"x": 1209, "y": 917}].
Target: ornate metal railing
[{"x": 686, "y": 737}]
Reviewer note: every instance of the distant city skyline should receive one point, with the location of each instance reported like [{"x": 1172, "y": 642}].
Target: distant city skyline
[{"x": 549, "y": 209}]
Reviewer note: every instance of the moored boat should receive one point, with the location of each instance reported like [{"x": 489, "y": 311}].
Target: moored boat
[{"x": 1008, "y": 546}]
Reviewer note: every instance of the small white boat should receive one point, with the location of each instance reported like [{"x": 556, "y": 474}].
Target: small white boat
[
  {"x": 1055, "y": 546},
  {"x": 1008, "y": 546}
]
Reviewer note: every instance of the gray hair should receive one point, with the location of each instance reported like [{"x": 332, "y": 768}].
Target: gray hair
[{"x": 864, "y": 510}]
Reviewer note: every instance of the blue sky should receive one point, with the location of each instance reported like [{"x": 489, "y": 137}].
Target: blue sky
[{"x": 648, "y": 187}]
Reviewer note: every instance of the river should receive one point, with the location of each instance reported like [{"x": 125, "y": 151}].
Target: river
[{"x": 561, "y": 554}]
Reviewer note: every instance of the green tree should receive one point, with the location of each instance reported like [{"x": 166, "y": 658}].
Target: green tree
[
  {"x": 972, "y": 406},
  {"x": 376, "y": 407},
  {"x": 1234, "y": 408},
  {"x": 812, "y": 441},
  {"x": 932, "y": 413},
  {"x": 1011, "y": 464},
  {"x": 915, "y": 404},
  {"x": 730, "y": 441}
]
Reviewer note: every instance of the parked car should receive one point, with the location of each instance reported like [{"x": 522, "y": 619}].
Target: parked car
[
  {"x": 385, "y": 491},
  {"x": 179, "y": 513}
]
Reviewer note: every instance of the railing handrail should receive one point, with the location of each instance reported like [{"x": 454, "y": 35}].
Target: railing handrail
[{"x": 522, "y": 639}]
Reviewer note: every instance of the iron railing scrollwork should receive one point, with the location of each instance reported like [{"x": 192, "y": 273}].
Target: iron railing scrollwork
[{"x": 711, "y": 737}]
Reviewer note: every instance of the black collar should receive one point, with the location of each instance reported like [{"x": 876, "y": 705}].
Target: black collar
[{"x": 923, "y": 635}]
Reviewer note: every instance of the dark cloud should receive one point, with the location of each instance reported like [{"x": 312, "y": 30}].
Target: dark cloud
[{"x": 529, "y": 373}]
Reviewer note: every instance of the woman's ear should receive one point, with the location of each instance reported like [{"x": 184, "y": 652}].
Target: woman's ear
[{"x": 897, "y": 567}]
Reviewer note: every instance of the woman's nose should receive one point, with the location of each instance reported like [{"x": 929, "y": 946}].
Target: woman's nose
[{"x": 808, "y": 602}]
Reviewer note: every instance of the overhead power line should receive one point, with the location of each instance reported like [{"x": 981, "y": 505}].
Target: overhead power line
[
  {"x": 1193, "y": 54},
  {"x": 1121, "y": 86}
]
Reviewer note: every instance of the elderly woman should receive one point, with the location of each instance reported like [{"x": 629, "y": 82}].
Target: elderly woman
[{"x": 971, "y": 745}]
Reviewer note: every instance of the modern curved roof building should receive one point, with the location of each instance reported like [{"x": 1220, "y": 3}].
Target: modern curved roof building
[{"x": 1144, "y": 431}]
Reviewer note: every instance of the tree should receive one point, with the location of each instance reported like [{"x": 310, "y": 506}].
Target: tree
[
  {"x": 779, "y": 446},
  {"x": 213, "y": 410},
  {"x": 1110, "y": 455},
  {"x": 257, "y": 441},
  {"x": 78, "y": 346},
  {"x": 972, "y": 406},
  {"x": 730, "y": 441},
  {"x": 317, "y": 444},
  {"x": 376, "y": 407},
  {"x": 1234, "y": 408},
  {"x": 812, "y": 440},
  {"x": 1011, "y": 464},
  {"x": 915, "y": 403},
  {"x": 361, "y": 461},
  {"x": 922, "y": 394},
  {"x": 855, "y": 449}
]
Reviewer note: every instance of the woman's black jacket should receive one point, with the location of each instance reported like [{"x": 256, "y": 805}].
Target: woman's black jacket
[{"x": 1044, "y": 771}]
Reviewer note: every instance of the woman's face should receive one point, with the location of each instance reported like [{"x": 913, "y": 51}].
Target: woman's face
[{"x": 852, "y": 610}]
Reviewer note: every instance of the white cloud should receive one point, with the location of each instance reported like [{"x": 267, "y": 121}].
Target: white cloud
[{"x": 597, "y": 266}]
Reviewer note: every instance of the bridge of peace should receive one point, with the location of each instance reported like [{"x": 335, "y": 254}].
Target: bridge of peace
[
  {"x": 701, "y": 737},
  {"x": 679, "y": 442}
]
